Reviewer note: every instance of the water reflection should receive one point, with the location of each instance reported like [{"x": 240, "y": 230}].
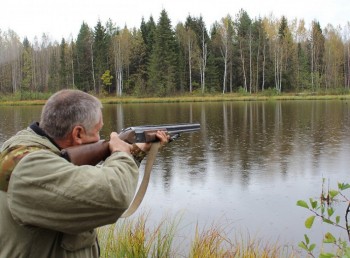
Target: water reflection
[
  {"x": 249, "y": 158},
  {"x": 14, "y": 118}
]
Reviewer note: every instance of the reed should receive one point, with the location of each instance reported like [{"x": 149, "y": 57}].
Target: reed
[{"x": 133, "y": 238}]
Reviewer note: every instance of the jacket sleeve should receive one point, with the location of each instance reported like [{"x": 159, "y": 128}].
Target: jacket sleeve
[{"x": 47, "y": 191}]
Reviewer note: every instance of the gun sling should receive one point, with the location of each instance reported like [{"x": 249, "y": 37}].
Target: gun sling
[{"x": 151, "y": 156}]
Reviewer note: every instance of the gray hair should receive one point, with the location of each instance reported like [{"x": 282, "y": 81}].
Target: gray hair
[{"x": 68, "y": 108}]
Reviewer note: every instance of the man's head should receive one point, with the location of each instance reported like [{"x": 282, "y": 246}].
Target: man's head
[{"x": 72, "y": 117}]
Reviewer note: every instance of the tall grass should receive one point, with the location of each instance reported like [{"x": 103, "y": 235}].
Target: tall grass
[{"x": 133, "y": 238}]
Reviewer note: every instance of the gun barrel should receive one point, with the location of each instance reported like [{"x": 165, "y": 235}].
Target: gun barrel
[
  {"x": 145, "y": 133},
  {"x": 170, "y": 128}
]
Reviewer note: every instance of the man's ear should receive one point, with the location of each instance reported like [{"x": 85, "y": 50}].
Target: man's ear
[{"x": 78, "y": 133}]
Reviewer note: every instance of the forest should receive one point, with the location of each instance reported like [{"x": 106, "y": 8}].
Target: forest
[{"x": 236, "y": 54}]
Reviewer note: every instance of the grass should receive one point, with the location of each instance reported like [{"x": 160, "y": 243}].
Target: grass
[
  {"x": 39, "y": 99},
  {"x": 133, "y": 238},
  {"x": 224, "y": 97}
]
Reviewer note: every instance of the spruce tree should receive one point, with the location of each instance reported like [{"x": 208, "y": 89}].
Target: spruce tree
[
  {"x": 100, "y": 48},
  {"x": 63, "y": 64},
  {"x": 163, "y": 72},
  {"x": 148, "y": 31},
  {"x": 84, "y": 76},
  {"x": 27, "y": 67}
]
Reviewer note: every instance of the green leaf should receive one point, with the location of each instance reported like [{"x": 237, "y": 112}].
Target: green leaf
[
  {"x": 309, "y": 221},
  {"x": 303, "y": 246},
  {"x": 330, "y": 211},
  {"x": 333, "y": 193},
  {"x": 327, "y": 221},
  {"x": 312, "y": 247},
  {"x": 329, "y": 238},
  {"x": 337, "y": 219},
  {"x": 313, "y": 204},
  {"x": 343, "y": 186},
  {"x": 347, "y": 251},
  {"x": 303, "y": 204},
  {"x": 326, "y": 255},
  {"x": 307, "y": 240}
]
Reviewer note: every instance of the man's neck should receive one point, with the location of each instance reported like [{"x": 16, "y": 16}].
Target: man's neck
[{"x": 36, "y": 128}]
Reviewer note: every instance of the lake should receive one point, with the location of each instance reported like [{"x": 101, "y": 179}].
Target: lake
[{"x": 244, "y": 170}]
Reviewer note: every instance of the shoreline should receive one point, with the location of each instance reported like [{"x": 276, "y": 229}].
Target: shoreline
[{"x": 12, "y": 101}]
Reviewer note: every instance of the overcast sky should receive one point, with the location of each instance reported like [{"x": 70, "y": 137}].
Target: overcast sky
[{"x": 63, "y": 18}]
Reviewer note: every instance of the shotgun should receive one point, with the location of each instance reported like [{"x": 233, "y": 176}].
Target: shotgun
[{"x": 93, "y": 153}]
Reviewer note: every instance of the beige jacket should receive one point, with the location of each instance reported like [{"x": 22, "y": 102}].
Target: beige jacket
[{"x": 52, "y": 207}]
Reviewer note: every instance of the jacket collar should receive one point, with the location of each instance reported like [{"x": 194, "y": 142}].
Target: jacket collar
[{"x": 35, "y": 127}]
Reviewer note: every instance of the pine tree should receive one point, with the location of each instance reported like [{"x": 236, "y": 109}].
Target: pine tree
[
  {"x": 163, "y": 71},
  {"x": 138, "y": 65},
  {"x": 54, "y": 78},
  {"x": 287, "y": 70},
  {"x": 84, "y": 76},
  {"x": 148, "y": 31},
  {"x": 100, "y": 51},
  {"x": 27, "y": 67},
  {"x": 215, "y": 64},
  {"x": 317, "y": 48},
  {"x": 244, "y": 26},
  {"x": 63, "y": 64}
]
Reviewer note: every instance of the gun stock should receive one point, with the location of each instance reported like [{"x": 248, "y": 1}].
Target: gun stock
[{"x": 93, "y": 153}]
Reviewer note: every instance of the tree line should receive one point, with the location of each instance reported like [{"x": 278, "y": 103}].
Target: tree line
[{"x": 235, "y": 54}]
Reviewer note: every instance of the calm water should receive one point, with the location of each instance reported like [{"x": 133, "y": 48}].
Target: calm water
[{"x": 244, "y": 170}]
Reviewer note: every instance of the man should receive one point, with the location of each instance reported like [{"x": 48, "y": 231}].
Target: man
[{"x": 50, "y": 207}]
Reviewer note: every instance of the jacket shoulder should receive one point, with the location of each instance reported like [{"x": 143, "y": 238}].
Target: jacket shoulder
[{"x": 9, "y": 158}]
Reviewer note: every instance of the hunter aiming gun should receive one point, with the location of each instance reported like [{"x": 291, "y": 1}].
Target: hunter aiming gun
[{"x": 93, "y": 153}]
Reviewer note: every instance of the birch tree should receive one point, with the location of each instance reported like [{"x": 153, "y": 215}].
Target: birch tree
[
  {"x": 334, "y": 58},
  {"x": 188, "y": 41},
  {"x": 346, "y": 40},
  {"x": 121, "y": 50},
  {"x": 225, "y": 38},
  {"x": 204, "y": 53},
  {"x": 200, "y": 48},
  {"x": 279, "y": 54},
  {"x": 15, "y": 54},
  {"x": 44, "y": 63}
]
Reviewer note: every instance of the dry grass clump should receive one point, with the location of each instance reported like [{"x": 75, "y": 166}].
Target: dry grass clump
[{"x": 132, "y": 238}]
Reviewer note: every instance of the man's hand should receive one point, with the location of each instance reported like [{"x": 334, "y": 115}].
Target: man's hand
[
  {"x": 163, "y": 139},
  {"x": 116, "y": 144}
]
